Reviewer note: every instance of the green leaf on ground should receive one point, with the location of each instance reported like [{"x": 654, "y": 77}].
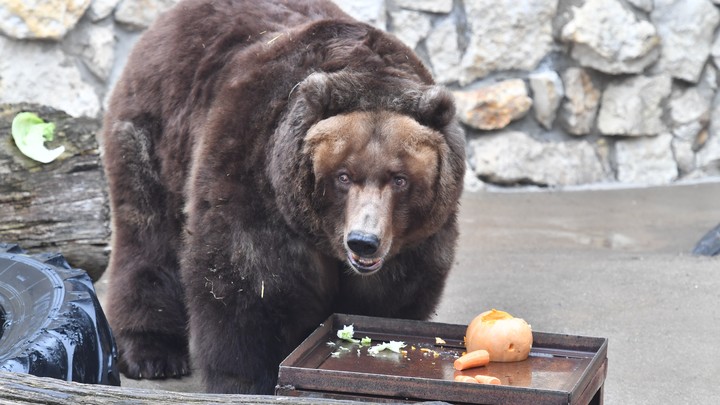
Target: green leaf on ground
[{"x": 30, "y": 133}]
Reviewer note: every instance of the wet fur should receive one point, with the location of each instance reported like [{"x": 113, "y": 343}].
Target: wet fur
[{"x": 223, "y": 231}]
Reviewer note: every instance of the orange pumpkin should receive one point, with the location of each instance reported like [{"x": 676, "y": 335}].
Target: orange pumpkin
[{"x": 505, "y": 337}]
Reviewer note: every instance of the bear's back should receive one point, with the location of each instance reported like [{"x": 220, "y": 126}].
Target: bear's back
[{"x": 177, "y": 60}]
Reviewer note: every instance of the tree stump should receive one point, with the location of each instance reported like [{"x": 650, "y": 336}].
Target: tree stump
[{"x": 61, "y": 206}]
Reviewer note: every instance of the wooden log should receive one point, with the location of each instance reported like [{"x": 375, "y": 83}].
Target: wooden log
[
  {"x": 28, "y": 389},
  {"x": 61, "y": 206}
]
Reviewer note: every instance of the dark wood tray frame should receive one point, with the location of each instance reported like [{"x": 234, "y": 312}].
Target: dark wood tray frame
[{"x": 302, "y": 372}]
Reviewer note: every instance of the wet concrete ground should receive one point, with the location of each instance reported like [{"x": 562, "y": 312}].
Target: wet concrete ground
[{"x": 610, "y": 263}]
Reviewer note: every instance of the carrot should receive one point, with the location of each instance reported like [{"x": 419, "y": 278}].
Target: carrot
[
  {"x": 486, "y": 379},
  {"x": 472, "y": 359},
  {"x": 465, "y": 378}
]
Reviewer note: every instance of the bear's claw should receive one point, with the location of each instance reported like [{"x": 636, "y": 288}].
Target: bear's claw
[{"x": 152, "y": 356}]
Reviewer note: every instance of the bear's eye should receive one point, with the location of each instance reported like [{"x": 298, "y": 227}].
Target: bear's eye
[
  {"x": 344, "y": 178},
  {"x": 399, "y": 181}
]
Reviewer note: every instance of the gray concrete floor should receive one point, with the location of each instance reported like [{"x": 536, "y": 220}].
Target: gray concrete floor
[{"x": 610, "y": 263}]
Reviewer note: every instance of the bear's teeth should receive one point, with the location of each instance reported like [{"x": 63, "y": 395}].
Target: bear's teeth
[{"x": 363, "y": 261}]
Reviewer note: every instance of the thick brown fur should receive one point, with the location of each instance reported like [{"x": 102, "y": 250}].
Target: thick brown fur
[{"x": 244, "y": 142}]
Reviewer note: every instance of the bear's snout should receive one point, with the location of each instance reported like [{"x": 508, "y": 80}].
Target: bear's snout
[
  {"x": 363, "y": 252},
  {"x": 363, "y": 243}
]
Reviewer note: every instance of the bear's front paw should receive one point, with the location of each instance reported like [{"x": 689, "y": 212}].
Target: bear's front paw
[{"x": 153, "y": 355}]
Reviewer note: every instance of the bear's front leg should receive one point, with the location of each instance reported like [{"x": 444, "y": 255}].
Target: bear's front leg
[
  {"x": 249, "y": 305},
  {"x": 146, "y": 310},
  {"x": 145, "y": 303}
]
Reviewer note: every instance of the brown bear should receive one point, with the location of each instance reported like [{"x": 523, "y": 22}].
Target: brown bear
[{"x": 270, "y": 163}]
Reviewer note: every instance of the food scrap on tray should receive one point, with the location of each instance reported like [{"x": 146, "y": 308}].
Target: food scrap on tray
[
  {"x": 347, "y": 334},
  {"x": 392, "y": 345},
  {"x": 476, "y": 358}
]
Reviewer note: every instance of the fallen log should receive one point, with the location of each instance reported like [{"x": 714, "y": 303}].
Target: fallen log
[
  {"x": 28, "y": 389},
  {"x": 61, "y": 206}
]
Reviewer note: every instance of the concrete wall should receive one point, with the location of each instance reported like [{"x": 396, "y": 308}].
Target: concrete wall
[{"x": 552, "y": 92}]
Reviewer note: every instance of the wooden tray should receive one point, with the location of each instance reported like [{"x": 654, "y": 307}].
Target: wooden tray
[{"x": 561, "y": 369}]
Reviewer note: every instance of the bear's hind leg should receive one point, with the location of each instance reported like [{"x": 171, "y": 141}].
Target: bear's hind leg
[{"x": 145, "y": 304}]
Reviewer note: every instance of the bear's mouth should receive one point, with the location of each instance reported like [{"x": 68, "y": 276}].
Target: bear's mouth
[{"x": 364, "y": 265}]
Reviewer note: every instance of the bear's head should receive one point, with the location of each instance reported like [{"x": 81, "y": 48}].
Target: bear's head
[{"x": 365, "y": 166}]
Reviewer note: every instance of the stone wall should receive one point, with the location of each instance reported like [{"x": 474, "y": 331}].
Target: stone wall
[{"x": 552, "y": 92}]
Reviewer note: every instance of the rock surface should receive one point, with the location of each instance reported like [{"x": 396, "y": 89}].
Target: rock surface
[
  {"x": 138, "y": 14},
  {"x": 547, "y": 92},
  {"x": 432, "y": 6},
  {"x": 514, "y": 157},
  {"x": 634, "y": 106},
  {"x": 646, "y": 160},
  {"x": 653, "y": 63},
  {"x": 95, "y": 44},
  {"x": 372, "y": 12},
  {"x": 495, "y": 27},
  {"x": 40, "y": 73},
  {"x": 442, "y": 46},
  {"x": 493, "y": 106},
  {"x": 100, "y": 9},
  {"x": 40, "y": 19},
  {"x": 411, "y": 26},
  {"x": 609, "y": 38},
  {"x": 582, "y": 100},
  {"x": 686, "y": 30}
]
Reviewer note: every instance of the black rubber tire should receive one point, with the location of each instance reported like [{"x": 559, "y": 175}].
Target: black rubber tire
[
  {"x": 52, "y": 323},
  {"x": 709, "y": 245}
]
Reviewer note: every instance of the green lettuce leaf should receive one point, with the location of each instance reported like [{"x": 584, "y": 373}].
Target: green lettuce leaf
[
  {"x": 30, "y": 133},
  {"x": 347, "y": 333}
]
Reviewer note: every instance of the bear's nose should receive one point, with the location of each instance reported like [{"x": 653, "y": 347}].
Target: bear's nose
[{"x": 363, "y": 243}]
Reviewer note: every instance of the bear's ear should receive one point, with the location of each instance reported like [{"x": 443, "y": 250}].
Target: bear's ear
[
  {"x": 436, "y": 107},
  {"x": 314, "y": 96}
]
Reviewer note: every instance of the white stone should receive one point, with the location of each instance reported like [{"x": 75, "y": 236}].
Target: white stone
[
  {"x": 715, "y": 51},
  {"x": 689, "y": 131},
  {"x": 442, "y": 46},
  {"x": 372, "y": 12},
  {"x": 684, "y": 155},
  {"x": 634, "y": 106},
  {"x": 140, "y": 14},
  {"x": 708, "y": 83},
  {"x": 582, "y": 98},
  {"x": 100, "y": 9},
  {"x": 646, "y": 160},
  {"x": 609, "y": 38},
  {"x": 432, "y": 6},
  {"x": 95, "y": 44},
  {"x": 547, "y": 92},
  {"x": 514, "y": 157},
  {"x": 690, "y": 105},
  {"x": 506, "y": 35},
  {"x": 42, "y": 74},
  {"x": 686, "y": 31},
  {"x": 40, "y": 19},
  {"x": 410, "y": 26}
]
